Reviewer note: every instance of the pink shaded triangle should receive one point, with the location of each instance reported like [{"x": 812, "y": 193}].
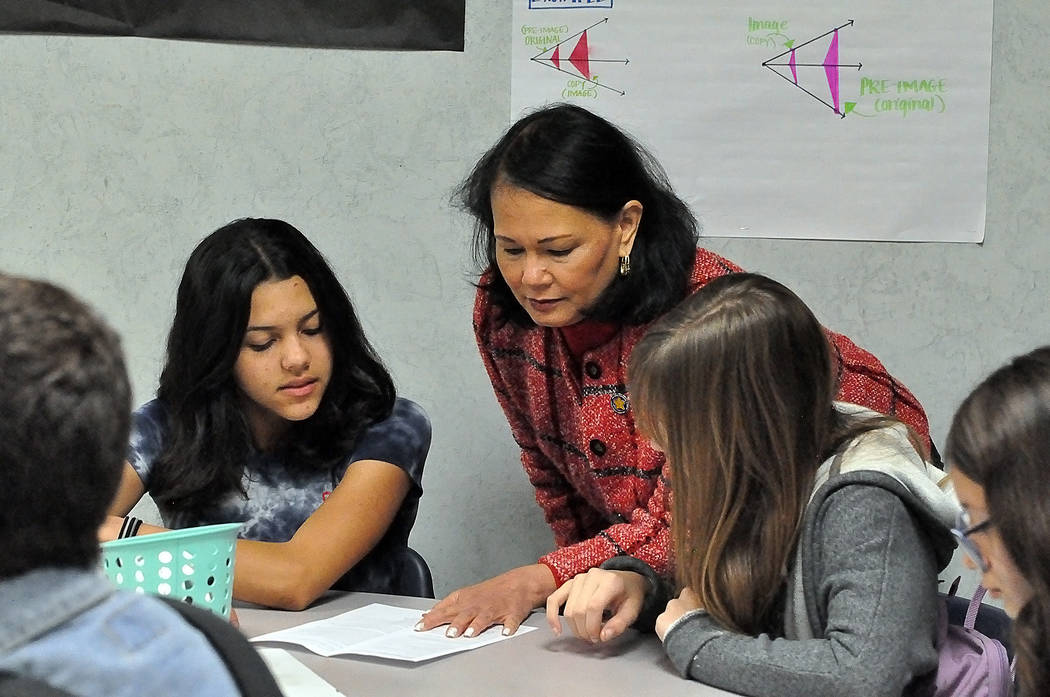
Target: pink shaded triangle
[
  {"x": 579, "y": 57},
  {"x": 556, "y": 57},
  {"x": 794, "y": 70},
  {"x": 831, "y": 69}
]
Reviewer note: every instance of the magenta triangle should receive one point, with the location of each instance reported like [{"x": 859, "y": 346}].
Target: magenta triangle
[{"x": 831, "y": 69}]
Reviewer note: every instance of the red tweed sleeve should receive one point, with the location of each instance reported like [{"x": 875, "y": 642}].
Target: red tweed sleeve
[
  {"x": 864, "y": 380},
  {"x": 646, "y": 536}
]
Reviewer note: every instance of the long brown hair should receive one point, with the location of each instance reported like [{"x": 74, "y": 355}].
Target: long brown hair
[
  {"x": 735, "y": 385},
  {"x": 1000, "y": 438}
]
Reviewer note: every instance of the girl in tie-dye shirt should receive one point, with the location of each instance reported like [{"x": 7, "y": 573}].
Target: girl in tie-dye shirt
[{"x": 274, "y": 410}]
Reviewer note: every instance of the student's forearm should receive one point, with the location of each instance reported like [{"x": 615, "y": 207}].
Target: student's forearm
[{"x": 274, "y": 575}]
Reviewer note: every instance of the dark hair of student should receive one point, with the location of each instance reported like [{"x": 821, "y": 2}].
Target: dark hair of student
[
  {"x": 1000, "y": 438},
  {"x": 735, "y": 385},
  {"x": 209, "y": 438},
  {"x": 64, "y": 418},
  {"x": 567, "y": 154}
]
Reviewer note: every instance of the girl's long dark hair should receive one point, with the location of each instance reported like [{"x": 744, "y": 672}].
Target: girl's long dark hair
[
  {"x": 735, "y": 385},
  {"x": 1000, "y": 438},
  {"x": 209, "y": 436}
]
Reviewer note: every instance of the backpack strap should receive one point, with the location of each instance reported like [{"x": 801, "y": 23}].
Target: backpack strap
[
  {"x": 246, "y": 666},
  {"x": 836, "y": 464},
  {"x": 971, "y": 619},
  {"x": 13, "y": 685},
  {"x": 975, "y": 606}
]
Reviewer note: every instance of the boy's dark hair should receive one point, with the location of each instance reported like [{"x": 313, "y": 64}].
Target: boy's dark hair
[{"x": 64, "y": 419}]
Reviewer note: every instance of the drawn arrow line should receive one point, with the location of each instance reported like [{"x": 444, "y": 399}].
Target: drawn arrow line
[
  {"x": 596, "y": 84},
  {"x": 625, "y": 61},
  {"x": 815, "y": 38},
  {"x": 858, "y": 66},
  {"x": 808, "y": 92},
  {"x": 574, "y": 36}
]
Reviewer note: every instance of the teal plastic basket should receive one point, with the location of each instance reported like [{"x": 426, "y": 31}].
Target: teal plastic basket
[{"x": 194, "y": 565}]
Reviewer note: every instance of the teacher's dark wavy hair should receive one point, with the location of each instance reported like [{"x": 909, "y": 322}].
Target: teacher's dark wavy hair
[
  {"x": 1000, "y": 438},
  {"x": 567, "y": 154},
  {"x": 210, "y": 438}
]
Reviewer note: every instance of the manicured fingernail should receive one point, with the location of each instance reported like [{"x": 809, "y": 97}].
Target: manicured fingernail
[
  {"x": 469, "y": 633},
  {"x": 505, "y": 632},
  {"x": 452, "y": 632},
  {"x": 419, "y": 626}
]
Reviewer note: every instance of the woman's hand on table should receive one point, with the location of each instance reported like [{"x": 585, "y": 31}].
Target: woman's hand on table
[
  {"x": 599, "y": 604},
  {"x": 687, "y": 601},
  {"x": 506, "y": 599}
]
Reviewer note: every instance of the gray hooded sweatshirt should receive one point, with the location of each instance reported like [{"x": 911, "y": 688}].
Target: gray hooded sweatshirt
[{"x": 861, "y": 597}]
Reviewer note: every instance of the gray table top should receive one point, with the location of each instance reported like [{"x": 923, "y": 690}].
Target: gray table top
[{"x": 535, "y": 664}]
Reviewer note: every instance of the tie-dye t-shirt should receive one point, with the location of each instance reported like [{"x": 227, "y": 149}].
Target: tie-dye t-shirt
[{"x": 278, "y": 500}]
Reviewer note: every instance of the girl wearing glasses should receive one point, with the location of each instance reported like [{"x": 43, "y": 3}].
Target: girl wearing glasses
[
  {"x": 807, "y": 533},
  {"x": 998, "y": 450}
]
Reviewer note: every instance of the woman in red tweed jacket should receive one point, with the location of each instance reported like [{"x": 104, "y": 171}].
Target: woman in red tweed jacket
[{"x": 584, "y": 244}]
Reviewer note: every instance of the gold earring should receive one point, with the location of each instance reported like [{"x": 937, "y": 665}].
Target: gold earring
[{"x": 625, "y": 265}]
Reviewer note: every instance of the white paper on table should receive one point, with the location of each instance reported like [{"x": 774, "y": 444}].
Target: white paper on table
[
  {"x": 295, "y": 679},
  {"x": 383, "y": 631}
]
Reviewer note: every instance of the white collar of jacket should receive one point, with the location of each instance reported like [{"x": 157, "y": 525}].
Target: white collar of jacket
[{"x": 887, "y": 451}]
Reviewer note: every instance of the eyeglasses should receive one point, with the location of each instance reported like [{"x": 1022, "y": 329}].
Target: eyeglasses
[{"x": 962, "y": 531}]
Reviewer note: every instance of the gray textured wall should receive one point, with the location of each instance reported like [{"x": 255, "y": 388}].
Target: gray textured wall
[{"x": 118, "y": 155}]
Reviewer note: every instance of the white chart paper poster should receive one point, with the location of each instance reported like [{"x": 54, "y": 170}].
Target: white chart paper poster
[{"x": 820, "y": 120}]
